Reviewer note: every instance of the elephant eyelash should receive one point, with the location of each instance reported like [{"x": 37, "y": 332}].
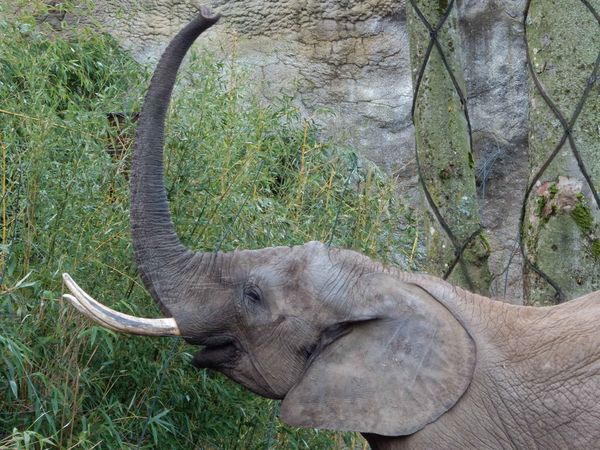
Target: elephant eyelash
[{"x": 253, "y": 296}]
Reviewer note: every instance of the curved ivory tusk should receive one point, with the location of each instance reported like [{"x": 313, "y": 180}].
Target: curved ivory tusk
[
  {"x": 79, "y": 307},
  {"x": 114, "y": 320}
]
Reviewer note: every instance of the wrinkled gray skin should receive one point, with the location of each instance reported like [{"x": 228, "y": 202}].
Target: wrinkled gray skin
[{"x": 348, "y": 344}]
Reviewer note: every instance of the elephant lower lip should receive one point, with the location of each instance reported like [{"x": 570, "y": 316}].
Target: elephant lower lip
[{"x": 215, "y": 356}]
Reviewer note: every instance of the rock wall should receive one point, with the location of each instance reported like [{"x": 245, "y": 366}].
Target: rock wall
[
  {"x": 497, "y": 90},
  {"x": 352, "y": 57}
]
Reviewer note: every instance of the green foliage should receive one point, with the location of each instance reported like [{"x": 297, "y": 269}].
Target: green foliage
[{"x": 65, "y": 384}]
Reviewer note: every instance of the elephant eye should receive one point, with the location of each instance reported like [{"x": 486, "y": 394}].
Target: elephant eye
[{"x": 252, "y": 296}]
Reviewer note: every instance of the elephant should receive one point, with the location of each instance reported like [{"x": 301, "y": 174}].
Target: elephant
[{"x": 347, "y": 343}]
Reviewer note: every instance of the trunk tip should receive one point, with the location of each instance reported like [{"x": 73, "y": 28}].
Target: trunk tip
[{"x": 207, "y": 15}]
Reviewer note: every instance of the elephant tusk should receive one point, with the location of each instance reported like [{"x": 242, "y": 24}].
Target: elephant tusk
[
  {"x": 79, "y": 307},
  {"x": 114, "y": 320}
]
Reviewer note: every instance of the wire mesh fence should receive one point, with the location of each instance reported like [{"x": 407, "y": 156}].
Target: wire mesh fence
[
  {"x": 460, "y": 224},
  {"x": 569, "y": 141},
  {"x": 568, "y": 137}
]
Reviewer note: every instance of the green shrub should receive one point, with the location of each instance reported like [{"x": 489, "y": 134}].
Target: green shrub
[{"x": 64, "y": 208}]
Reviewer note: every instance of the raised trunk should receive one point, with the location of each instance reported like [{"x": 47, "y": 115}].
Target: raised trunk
[{"x": 157, "y": 249}]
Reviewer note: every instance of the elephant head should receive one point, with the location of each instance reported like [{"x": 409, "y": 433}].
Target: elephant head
[{"x": 347, "y": 343}]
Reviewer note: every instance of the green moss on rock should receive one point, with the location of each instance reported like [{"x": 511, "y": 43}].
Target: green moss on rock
[
  {"x": 541, "y": 205},
  {"x": 582, "y": 216},
  {"x": 442, "y": 6},
  {"x": 595, "y": 248}
]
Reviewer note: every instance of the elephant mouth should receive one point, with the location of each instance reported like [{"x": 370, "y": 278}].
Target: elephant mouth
[{"x": 218, "y": 352}]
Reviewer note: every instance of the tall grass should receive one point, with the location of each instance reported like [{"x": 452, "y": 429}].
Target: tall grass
[{"x": 65, "y": 384}]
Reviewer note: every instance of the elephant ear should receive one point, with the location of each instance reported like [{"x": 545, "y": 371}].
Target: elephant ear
[{"x": 391, "y": 375}]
